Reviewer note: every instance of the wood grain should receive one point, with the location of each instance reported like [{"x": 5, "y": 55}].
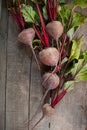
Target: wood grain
[
  {"x": 17, "y": 90},
  {"x": 3, "y": 44},
  {"x": 0, "y": 8}
]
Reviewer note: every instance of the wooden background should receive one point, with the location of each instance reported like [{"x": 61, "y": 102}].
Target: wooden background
[{"x": 20, "y": 87}]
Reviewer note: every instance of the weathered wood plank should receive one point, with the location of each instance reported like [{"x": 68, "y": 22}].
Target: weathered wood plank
[
  {"x": 0, "y": 7},
  {"x": 71, "y": 112},
  {"x": 23, "y": 84},
  {"x": 3, "y": 41},
  {"x": 17, "y": 91},
  {"x": 36, "y": 94}
]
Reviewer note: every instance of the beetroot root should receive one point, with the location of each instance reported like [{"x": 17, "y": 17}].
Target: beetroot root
[{"x": 47, "y": 111}]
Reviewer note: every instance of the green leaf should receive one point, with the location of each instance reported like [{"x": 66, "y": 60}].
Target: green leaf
[
  {"x": 69, "y": 85},
  {"x": 70, "y": 33},
  {"x": 45, "y": 13},
  {"x": 62, "y": 1},
  {"x": 77, "y": 66},
  {"x": 64, "y": 60},
  {"x": 16, "y": 1},
  {"x": 80, "y": 3},
  {"x": 33, "y": 1},
  {"x": 70, "y": 67},
  {"x": 29, "y": 13},
  {"x": 64, "y": 14},
  {"x": 77, "y": 20},
  {"x": 36, "y": 41},
  {"x": 79, "y": 69},
  {"x": 74, "y": 67},
  {"x": 45, "y": 1},
  {"x": 84, "y": 56},
  {"x": 82, "y": 74},
  {"x": 75, "y": 50}
]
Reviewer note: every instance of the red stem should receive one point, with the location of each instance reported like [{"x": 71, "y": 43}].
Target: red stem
[
  {"x": 70, "y": 19},
  {"x": 38, "y": 122},
  {"x": 49, "y": 10},
  {"x": 59, "y": 97},
  {"x": 43, "y": 25},
  {"x": 52, "y": 9},
  {"x": 14, "y": 15},
  {"x": 18, "y": 19},
  {"x": 21, "y": 18},
  {"x": 55, "y": 9},
  {"x": 60, "y": 80},
  {"x": 65, "y": 69},
  {"x": 67, "y": 48},
  {"x": 63, "y": 43},
  {"x": 38, "y": 34}
]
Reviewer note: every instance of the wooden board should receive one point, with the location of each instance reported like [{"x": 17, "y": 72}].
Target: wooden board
[
  {"x": 3, "y": 57},
  {"x": 17, "y": 88},
  {"x": 0, "y": 7},
  {"x": 21, "y": 90}
]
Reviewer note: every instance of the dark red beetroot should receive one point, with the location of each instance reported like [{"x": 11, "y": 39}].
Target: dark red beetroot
[
  {"x": 26, "y": 37},
  {"x": 47, "y": 111},
  {"x": 55, "y": 29},
  {"x": 51, "y": 83},
  {"x": 49, "y": 56}
]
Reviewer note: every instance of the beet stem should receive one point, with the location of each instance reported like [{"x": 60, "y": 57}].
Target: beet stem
[
  {"x": 59, "y": 97},
  {"x": 49, "y": 10},
  {"x": 63, "y": 43},
  {"x": 71, "y": 15},
  {"x": 38, "y": 34},
  {"x": 63, "y": 73},
  {"x": 14, "y": 16},
  {"x": 65, "y": 69},
  {"x": 38, "y": 122},
  {"x": 41, "y": 102},
  {"x": 57, "y": 43},
  {"x": 55, "y": 9},
  {"x": 43, "y": 25},
  {"x": 67, "y": 48},
  {"x": 35, "y": 56},
  {"x": 21, "y": 19}
]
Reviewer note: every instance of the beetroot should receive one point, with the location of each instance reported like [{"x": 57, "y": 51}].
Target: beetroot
[
  {"x": 26, "y": 37},
  {"x": 51, "y": 82},
  {"x": 49, "y": 56},
  {"x": 55, "y": 29},
  {"x": 47, "y": 111}
]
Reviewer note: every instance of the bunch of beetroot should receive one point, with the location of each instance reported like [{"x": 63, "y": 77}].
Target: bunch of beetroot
[{"x": 52, "y": 51}]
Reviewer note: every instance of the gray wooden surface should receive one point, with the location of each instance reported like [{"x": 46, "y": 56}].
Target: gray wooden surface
[{"x": 20, "y": 87}]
